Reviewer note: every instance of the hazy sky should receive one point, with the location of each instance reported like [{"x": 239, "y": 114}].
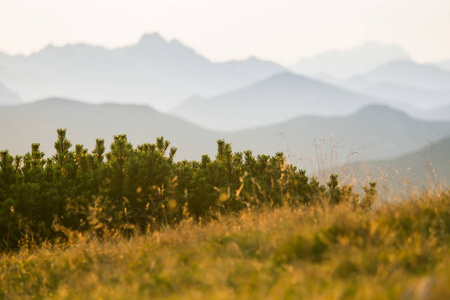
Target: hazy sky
[{"x": 279, "y": 30}]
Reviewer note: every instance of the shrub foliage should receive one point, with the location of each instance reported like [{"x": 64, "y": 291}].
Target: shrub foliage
[{"x": 141, "y": 188}]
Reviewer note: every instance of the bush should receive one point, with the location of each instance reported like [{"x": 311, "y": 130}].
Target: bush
[{"x": 137, "y": 188}]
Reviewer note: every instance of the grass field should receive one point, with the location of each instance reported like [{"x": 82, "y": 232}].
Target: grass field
[{"x": 396, "y": 251}]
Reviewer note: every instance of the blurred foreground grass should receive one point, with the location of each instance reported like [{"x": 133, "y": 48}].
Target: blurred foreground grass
[{"x": 395, "y": 251}]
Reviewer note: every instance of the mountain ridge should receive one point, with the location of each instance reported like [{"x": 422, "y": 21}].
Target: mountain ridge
[
  {"x": 281, "y": 97},
  {"x": 346, "y": 63},
  {"x": 408, "y": 73},
  {"x": 384, "y": 132},
  {"x": 153, "y": 71}
]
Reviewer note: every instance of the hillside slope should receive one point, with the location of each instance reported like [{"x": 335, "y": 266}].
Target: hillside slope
[
  {"x": 382, "y": 131},
  {"x": 396, "y": 251},
  {"x": 385, "y": 133},
  {"x": 428, "y": 164},
  {"x": 37, "y": 123}
]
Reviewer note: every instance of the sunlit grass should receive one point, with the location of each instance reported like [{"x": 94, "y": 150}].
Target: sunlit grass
[{"x": 396, "y": 251}]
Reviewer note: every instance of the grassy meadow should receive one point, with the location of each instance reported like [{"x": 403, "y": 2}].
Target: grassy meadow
[{"x": 396, "y": 250}]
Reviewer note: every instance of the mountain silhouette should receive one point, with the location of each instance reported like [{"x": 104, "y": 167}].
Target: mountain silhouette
[
  {"x": 154, "y": 71},
  {"x": 384, "y": 132},
  {"x": 276, "y": 99},
  {"x": 347, "y": 63},
  {"x": 404, "y": 73}
]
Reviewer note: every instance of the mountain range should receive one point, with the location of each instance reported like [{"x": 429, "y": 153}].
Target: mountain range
[
  {"x": 406, "y": 74},
  {"x": 344, "y": 64},
  {"x": 411, "y": 87},
  {"x": 154, "y": 71},
  {"x": 37, "y": 122},
  {"x": 418, "y": 100},
  {"x": 384, "y": 132},
  {"x": 274, "y": 100},
  {"x": 352, "y": 103},
  {"x": 172, "y": 77}
]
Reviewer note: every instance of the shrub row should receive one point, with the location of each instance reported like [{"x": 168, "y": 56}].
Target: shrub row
[{"x": 144, "y": 188}]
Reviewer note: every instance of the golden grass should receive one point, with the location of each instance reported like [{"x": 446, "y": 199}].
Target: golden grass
[{"x": 396, "y": 251}]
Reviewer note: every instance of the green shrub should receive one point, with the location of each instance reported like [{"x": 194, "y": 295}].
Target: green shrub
[{"x": 140, "y": 188}]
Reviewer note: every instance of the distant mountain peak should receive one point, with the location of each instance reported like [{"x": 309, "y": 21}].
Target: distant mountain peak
[
  {"x": 154, "y": 71},
  {"x": 407, "y": 74},
  {"x": 50, "y": 48},
  {"x": 380, "y": 112},
  {"x": 253, "y": 58},
  {"x": 347, "y": 63},
  {"x": 151, "y": 38}
]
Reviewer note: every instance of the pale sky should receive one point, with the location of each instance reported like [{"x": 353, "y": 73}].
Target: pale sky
[{"x": 277, "y": 30}]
